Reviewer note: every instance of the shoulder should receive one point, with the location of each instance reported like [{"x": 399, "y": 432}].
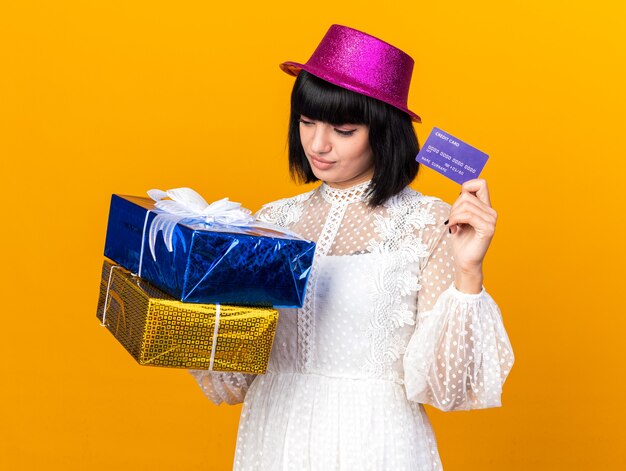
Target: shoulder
[
  {"x": 410, "y": 200},
  {"x": 285, "y": 211},
  {"x": 411, "y": 224}
]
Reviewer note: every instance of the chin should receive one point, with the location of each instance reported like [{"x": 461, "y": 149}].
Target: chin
[
  {"x": 323, "y": 175},
  {"x": 326, "y": 177}
]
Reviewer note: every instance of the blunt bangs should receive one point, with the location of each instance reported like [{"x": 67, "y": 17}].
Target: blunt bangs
[{"x": 317, "y": 99}]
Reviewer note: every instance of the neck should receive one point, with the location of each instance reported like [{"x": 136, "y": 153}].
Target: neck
[
  {"x": 352, "y": 182},
  {"x": 345, "y": 194}
]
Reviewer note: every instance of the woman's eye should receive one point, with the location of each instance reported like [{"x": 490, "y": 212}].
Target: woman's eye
[{"x": 338, "y": 131}]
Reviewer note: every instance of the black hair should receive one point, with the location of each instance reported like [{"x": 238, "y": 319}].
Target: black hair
[{"x": 391, "y": 135}]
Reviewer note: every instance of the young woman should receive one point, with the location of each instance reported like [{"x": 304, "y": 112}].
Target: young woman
[{"x": 395, "y": 314}]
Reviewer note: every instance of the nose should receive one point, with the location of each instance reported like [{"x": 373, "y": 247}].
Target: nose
[{"x": 320, "y": 143}]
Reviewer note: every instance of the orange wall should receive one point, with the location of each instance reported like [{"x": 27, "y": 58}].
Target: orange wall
[{"x": 119, "y": 96}]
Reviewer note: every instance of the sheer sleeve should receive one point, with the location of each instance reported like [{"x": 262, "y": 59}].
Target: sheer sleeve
[
  {"x": 459, "y": 355},
  {"x": 228, "y": 387}
]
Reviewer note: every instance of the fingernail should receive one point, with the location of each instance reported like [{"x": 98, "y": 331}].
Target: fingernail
[{"x": 446, "y": 223}]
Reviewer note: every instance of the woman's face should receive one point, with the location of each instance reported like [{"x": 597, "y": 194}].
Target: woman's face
[{"x": 339, "y": 155}]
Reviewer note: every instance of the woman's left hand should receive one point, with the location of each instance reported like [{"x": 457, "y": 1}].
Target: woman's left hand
[{"x": 472, "y": 223}]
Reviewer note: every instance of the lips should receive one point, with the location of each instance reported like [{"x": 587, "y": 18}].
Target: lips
[
  {"x": 320, "y": 160},
  {"x": 321, "y": 164}
]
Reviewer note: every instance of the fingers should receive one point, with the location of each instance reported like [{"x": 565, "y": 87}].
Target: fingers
[
  {"x": 478, "y": 186},
  {"x": 470, "y": 209},
  {"x": 482, "y": 222},
  {"x": 470, "y": 200}
]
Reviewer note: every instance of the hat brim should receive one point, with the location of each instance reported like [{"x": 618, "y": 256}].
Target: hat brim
[{"x": 294, "y": 68}]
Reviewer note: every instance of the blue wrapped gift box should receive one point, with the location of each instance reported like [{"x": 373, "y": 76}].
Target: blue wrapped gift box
[{"x": 210, "y": 263}]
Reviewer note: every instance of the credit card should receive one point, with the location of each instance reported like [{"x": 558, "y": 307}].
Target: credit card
[{"x": 451, "y": 157}]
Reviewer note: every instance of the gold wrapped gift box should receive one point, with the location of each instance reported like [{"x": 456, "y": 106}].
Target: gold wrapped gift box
[{"x": 158, "y": 330}]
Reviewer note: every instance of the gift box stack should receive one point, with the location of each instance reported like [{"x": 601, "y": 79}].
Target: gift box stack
[{"x": 188, "y": 284}]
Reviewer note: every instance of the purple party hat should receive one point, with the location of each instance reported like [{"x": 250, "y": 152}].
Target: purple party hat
[{"x": 361, "y": 63}]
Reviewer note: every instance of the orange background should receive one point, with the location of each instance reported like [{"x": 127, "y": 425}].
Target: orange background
[{"x": 118, "y": 96}]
